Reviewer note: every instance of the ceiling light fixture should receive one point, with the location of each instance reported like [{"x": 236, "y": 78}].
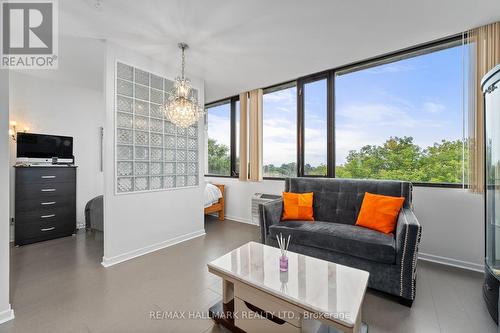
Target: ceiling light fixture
[{"x": 181, "y": 107}]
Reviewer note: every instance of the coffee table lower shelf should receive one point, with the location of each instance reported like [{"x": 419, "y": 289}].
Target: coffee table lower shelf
[{"x": 222, "y": 314}]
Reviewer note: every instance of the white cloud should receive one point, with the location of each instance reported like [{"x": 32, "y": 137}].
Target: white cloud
[
  {"x": 347, "y": 140},
  {"x": 219, "y": 129},
  {"x": 285, "y": 95},
  {"x": 378, "y": 115},
  {"x": 358, "y": 125},
  {"x": 315, "y": 145},
  {"x": 277, "y": 128},
  {"x": 279, "y": 140},
  {"x": 286, "y": 109},
  {"x": 432, "y": 107}
]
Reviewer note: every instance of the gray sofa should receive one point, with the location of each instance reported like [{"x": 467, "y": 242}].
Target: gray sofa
[{"x": 390, "y": 259}]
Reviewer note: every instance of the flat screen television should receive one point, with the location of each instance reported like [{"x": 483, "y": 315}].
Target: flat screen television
[{"x": 31, "y": 145}]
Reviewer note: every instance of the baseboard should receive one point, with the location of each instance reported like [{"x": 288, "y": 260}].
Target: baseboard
[
  {"x": 6, "y": 315},
  {"x": 239, "y": 219},
  {"x": 451, "y": 262},
  {"x": 107, "y": 262},
  {"x": 236, "y": 219}
]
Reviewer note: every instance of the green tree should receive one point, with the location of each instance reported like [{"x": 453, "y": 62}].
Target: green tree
[
  {"x": 442, "y": 162},
  {"x": 320, "y": 170},
  {"x": 397, "y": 158},
  {"x": 219, "y": 162},
  {"x": 401, "y": 159},
  {"x": 285, "y": 170}
]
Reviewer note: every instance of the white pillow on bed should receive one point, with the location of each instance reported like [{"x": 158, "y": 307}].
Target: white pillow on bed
[{"x": 212, "y": 195}]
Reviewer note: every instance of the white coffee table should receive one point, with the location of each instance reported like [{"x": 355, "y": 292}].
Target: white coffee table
[{"x": 314, "y": 295}]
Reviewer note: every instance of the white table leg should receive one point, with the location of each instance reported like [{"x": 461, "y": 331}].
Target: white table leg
[{"x": 227, "y": 291}]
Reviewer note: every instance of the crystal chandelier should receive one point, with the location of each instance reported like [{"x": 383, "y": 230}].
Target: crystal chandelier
[{"x": 181, "y": 108}]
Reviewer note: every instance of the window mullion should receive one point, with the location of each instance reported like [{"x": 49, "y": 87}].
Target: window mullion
[
  {"x": 330, "y": 127},
  {"x": 232, "y": 152},
  {"x": 300, "y": 128}
]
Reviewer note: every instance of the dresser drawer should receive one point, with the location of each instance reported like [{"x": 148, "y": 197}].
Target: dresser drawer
[
  {"x": 60, "y": 215},
  {"x": 44, "y": 191},
  {"x": 43, "y": 206},
  {"x": 28, "y": 233},
  {"x": 45, "y": 203},
  {"x": 48, "y": 175}
]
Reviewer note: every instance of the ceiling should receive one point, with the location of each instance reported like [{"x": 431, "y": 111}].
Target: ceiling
[{"x": 238, "y": 45}]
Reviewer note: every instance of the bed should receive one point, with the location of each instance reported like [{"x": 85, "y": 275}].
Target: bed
[{"x": 214, "y": 200}]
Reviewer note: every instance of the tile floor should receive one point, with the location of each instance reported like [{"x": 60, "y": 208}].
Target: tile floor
[{"x": 60, "y": 286}]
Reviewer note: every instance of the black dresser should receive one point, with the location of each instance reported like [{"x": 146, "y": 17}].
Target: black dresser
[{"x": 45, "y": 203}]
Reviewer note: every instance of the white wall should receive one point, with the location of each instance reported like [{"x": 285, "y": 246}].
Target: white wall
[
  {"x": 138, "y": 223},
  {"x": 452, "y": 219},
  {"x": 68, "y": 101},
  {"x": 452, "y": 226},
  {"x": 5, "y": 311}
]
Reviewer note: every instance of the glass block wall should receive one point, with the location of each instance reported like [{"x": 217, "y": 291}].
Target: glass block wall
[{"x": 151, "y": 152}]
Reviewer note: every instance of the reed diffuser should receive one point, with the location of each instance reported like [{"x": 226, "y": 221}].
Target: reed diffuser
[{"x": 283, "y": 243}]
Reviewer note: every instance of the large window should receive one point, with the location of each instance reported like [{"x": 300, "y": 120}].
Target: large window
[
  {"x": 223, "y": 137},
  {"x": 400, "y": 116},
  {"x": 219, "y": 139},
  {"x": 402, "y": 119},
  {"x": 279, "y": 131},
  {"x": 315, "y": 127}
]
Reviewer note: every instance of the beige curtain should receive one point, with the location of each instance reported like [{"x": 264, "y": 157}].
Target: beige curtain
[
  {"x": 485, "y": 54},
  {"x": 243, "y": 168},
  {"x": 255, "y": 135}
]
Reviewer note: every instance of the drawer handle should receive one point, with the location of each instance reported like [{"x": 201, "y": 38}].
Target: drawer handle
[
  {"x": 48, "y": 203},
  {"x": 47, "y": 216},
  {"x": 48, "y": 189},
  {"x": 48, "y": 229},
  {"x": 48, "y": 177},
  {"x": 264, "y": 314}
]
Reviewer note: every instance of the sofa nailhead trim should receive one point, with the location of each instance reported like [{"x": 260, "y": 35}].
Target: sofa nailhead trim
[
  {"x": 414, "y": 273},
  {"x": 403, "y": 257}
]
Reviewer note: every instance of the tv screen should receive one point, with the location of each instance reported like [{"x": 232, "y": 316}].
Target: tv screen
[{"x": 44, "y": 146}]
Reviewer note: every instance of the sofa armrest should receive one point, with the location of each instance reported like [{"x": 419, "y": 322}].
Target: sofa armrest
[
  {"x": 408, "y": 233},
  {"x": 269, "y": 214}
]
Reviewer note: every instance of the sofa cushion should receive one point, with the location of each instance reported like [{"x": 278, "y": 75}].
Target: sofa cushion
[
  {"x": 339, "y": 200},
  {"x": 348, "y": 239},
  {"x": 379, "y": 212},
  {"x": 298, "y": 206}
]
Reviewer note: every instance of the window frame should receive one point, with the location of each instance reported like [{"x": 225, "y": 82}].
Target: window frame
[
  {"x": 278, "y": 87},
  {"x": 413, "y": 51},
  {"x": 329, "y": 75},
  {"x": 330, "y": 119},
  {"x": 233, "y": 173}
]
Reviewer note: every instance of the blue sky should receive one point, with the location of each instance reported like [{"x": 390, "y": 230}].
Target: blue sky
[
  {"x": 219, "y": 124},
  {"x": 419, "y": 97}
]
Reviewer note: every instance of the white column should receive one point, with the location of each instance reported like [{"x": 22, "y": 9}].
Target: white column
[{"x": 6, "y": 313}]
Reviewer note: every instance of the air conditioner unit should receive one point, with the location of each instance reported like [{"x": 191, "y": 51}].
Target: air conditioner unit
[{"x": 257, "y": 199}]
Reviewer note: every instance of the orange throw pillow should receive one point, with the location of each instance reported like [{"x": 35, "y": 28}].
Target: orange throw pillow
[
  {"x": 297, "y": 206},
  {"x": 379, "y": 212}
]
